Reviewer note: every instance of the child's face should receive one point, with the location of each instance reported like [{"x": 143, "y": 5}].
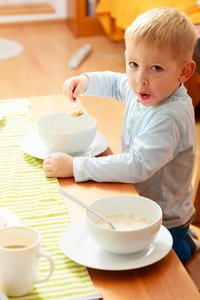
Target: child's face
[{"x": 152, "y": 75}]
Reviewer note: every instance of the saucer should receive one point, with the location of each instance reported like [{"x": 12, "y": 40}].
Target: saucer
[
  {"x": 8, "y": 218},
  {"x": 33, "y": 145},
  {"x": 76, "y": 244}
]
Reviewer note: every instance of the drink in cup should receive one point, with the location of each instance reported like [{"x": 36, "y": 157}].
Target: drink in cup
[{"x": 20, "y": 252}]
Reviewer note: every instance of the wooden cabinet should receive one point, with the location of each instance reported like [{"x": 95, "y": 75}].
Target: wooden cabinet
[{"x": 79, "y": 22}]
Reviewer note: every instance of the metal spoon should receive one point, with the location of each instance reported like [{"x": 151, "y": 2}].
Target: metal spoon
[
  {"x": 75, "y": 103},
  {"x": 85, "y": 206},
  {"x": 76, "y": 112}
]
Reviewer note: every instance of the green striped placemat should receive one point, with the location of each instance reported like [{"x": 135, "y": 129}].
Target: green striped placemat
[{"x": 36, "y": 201}]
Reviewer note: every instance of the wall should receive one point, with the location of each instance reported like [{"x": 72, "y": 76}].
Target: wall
[
  {"x": 60, "y": 7},
  {"x": 16, "y": 2}
]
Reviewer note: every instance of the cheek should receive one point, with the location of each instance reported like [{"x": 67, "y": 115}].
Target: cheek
[
  {"x": 159, "y": 82},
  {"x": 130, "y": 75},
  {"x": 131, "y": 80}
]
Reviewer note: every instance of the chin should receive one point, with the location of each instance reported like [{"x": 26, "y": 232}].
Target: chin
[{"x": 146, "y": 103}]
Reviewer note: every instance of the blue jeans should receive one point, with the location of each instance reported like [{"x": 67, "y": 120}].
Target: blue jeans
[{"x": 179, "y": 244}]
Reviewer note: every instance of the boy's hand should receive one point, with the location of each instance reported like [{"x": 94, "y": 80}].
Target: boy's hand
[
  {"x": 75, "y": 86},
  {"x": 58, "y": 165}
]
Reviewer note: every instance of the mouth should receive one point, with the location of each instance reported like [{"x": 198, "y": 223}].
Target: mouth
[{"x": 144, "y": 96}]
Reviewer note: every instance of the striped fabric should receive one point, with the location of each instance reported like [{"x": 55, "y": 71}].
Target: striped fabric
[{"x": 35, "y": 200}]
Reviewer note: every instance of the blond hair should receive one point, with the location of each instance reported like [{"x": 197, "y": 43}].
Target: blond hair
[{"x": 165, "y": 28}]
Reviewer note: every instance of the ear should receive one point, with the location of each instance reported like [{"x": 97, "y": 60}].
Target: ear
[{"x": 187, "y": 70}]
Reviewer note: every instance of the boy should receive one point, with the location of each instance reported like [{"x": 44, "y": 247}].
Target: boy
[{"x": 158, "y": 133}]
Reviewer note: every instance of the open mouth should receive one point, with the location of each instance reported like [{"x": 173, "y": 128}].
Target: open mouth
[{"x": 144, "y": 96}]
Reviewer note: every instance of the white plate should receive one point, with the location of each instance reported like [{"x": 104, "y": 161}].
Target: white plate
[
  {"x": 10, "y": 217},
  {"x": 79, "y": 247},
  {"x": 33, "y": 145}
]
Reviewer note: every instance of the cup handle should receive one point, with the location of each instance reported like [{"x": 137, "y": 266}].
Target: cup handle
[{"x": 52, "y": 266}]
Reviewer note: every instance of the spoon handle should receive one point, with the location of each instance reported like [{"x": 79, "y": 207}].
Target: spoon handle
[
  {"x": 84, "y": 205},
  {"x": 75, "y": 104}
]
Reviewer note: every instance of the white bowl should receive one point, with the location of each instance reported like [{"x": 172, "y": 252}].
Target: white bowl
[
  {"x": 61, "y": 132},
  {"x": 130, "y": 240}
]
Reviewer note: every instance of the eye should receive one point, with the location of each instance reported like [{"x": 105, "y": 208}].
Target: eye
[
  {"x": 134, "y": 65},
  {"x": 157, "y": 68}
]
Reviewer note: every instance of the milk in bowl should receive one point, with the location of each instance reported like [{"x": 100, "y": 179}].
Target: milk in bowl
[{"x": 137, "y": 221}]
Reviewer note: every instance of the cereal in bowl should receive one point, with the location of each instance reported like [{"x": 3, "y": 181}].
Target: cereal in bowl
[
  {"x": 124, "y": 222},
  {"x": 76, "y": 112}
]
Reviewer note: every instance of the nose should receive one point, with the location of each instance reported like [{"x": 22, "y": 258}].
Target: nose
[{"x": 142, "y": 77}]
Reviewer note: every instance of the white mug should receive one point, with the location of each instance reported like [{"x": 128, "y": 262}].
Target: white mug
[{"x": 19, "y": 260}]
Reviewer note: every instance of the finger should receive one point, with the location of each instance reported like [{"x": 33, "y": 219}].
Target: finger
[
  {"x": 49, "y": 174},
  {"x": 69, "y": 87},
  {"x": 47, "y": 162},
  {"x": 79, "y": 87},
  {"x": 47, "y": 168},
  {"x": 48, "y": 157}
]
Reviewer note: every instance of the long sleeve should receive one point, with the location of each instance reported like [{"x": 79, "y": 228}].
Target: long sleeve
[
  {"x": 108, "y": 84},
  {"x": 149, "y": 150}
]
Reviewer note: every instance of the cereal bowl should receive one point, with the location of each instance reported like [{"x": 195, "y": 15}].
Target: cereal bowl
[
  {"x": 125, "y": 212},
  {"x": 61, "y": 132}
]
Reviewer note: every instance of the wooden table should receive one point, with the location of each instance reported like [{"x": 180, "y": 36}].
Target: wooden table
[{"x": 166, "y": 279}]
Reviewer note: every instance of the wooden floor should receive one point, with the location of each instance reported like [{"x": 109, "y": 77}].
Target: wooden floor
[{"x": 42, "y": 68}]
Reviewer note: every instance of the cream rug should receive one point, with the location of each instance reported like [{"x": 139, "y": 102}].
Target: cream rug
[{"x": 9, "y": 48}]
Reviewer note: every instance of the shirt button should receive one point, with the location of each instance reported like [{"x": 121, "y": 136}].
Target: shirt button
[
  {"x": 131, "y": 121},
  {"x": 173, "y": 98}
]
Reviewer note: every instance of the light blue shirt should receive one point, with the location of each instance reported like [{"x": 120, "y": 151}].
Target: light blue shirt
[{"x": 158, "y": 148}]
